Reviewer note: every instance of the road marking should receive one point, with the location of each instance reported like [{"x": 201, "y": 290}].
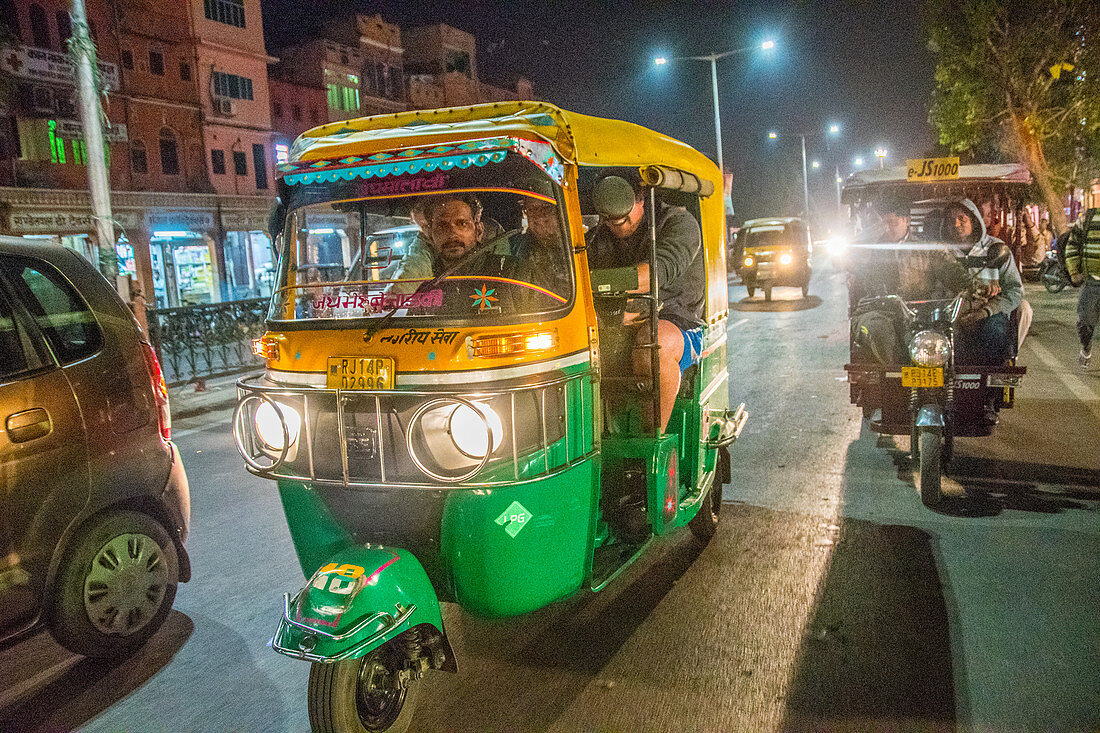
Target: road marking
[
  {"x": 735, "y": 324},
  {"x": 1073, "y": 383}
]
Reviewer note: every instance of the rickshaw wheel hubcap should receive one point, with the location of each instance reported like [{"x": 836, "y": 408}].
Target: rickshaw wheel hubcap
[{"x": 378, "y": 696}]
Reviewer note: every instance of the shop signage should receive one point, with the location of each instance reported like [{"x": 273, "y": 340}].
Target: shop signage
[
  {"x": 42, "y": 64},
  {"x": 244, "y": 221},
  {"x": 196, "y": 221},
  {"x": 62, "y": 222},
  {"x": 74, "y": 129}
]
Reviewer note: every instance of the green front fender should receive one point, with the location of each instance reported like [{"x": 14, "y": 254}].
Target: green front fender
[{"x": 360, "y": 599}]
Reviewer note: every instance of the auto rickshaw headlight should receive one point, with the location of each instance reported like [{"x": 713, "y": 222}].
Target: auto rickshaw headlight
[
  {"x": 930, "y": 348},
  {"x": 471, "y": 431},
  {"x": 749, "y": 261},
  {"x": 269, "y": 424},
  {"x": 785, "y": 259}
]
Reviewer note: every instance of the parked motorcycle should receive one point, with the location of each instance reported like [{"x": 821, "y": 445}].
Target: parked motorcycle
[{"x": 1051, "y": 273}]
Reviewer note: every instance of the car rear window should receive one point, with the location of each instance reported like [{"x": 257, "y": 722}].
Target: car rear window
[
  {"x": 17, "y": 355},
  {"x": 64, "y": 318}
]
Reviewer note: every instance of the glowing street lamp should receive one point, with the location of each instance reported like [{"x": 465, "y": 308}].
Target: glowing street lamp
[
  {"x": 772, "y": 135},
  {"x": 858, "y": 162},
  {"x": 767, "y": 45},
  {"x": 834, "y": 129},
  {"x": 815, "y": 164},
  {"x": 881, "y": 154}
]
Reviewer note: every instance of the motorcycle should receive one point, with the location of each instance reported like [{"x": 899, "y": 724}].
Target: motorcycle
[
  {"x": 932, "y": 398},
  {"x": 1051, "y": 274}
]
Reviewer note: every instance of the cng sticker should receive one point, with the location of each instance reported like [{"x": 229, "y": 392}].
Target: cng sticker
[{"x": 514, "y": 518}]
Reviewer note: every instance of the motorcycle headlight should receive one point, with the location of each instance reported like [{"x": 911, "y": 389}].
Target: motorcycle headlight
[
  {"x": 749, "y": 261},
  {"x": 785, "y": 259},
  {"x": 269, "y": 426},
  {"x": 930, "y": 349}
]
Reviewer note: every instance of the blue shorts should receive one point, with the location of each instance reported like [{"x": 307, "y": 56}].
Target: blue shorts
[{"x": 693, "y": 347}]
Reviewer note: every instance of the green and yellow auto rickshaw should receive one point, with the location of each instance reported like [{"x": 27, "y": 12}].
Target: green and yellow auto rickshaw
[{"x": 468, "y": 436}]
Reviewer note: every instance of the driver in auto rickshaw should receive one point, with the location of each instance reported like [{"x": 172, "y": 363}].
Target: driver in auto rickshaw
[{"x": 624, "y": 241}]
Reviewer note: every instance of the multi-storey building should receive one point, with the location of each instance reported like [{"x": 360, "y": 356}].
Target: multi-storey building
[{"x": 189, "y": 115}]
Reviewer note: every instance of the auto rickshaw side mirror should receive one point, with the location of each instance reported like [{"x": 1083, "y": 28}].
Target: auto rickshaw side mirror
[
  {"x": 998, "y": 255},
  {"x": 613, "y": 197}
]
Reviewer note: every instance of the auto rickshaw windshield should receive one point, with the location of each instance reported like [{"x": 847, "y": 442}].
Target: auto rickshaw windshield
[{"x": 495, "y": 249}]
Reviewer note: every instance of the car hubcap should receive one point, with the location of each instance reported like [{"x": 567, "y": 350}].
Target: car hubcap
[
  {"x": 379, "y": 696},
  {"x": 126, "y": 585}
]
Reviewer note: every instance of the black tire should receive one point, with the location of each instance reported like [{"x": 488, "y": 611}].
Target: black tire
[
  {"x": 115, "y": 586},
  {"x": 768, "y": 293},
  {"x": 931, "y": 467},
  {"x": 751, "y": 289},
  {"x": 705, "y": 523},
  {"x": 806, "y": 289},
  {"x": 361, "y": 695}
]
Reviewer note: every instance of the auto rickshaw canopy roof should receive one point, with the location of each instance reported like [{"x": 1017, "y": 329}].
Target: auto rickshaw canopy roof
[
  {"x": 977, "y": 177},
  {"x": 576, "y": 138}
]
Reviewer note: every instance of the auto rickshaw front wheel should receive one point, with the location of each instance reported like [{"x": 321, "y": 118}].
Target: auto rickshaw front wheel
[
  {"x": 704, "y": 524},
  {"x": 358, "y": 695},
  {"x": 768, "y": 292}
]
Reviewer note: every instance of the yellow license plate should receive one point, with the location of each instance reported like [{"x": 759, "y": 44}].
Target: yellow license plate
[
  {"x": 922, "y": 376},
  {"x": 359, "y": 372}
]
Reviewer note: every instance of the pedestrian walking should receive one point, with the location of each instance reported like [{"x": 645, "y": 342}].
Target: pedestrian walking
[{"x": 1083, "y": 265}]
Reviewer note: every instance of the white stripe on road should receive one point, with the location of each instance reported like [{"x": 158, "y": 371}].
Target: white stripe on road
[
  {"x": 735, "y": 324},
  {"x": 1073, "y": 383}
]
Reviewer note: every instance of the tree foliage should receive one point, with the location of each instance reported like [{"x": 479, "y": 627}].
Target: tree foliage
[{"x": 1020, "y": 80}]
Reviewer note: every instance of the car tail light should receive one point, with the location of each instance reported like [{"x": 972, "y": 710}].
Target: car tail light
[{"x": 160, "y": 390}]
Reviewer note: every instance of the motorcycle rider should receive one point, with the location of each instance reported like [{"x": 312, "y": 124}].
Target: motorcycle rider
[{"x": 896, "y": 266}]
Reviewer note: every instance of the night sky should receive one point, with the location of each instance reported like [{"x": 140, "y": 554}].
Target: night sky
[{"x": 862, "y": 65}]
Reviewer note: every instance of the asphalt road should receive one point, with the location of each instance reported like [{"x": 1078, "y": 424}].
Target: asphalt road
[{"x": 829, "y": 599}]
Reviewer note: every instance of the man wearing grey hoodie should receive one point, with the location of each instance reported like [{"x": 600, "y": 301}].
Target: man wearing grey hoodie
[{"x": 987, "y": 338}]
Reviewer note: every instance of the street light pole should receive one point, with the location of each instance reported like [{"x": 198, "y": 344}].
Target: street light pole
[
  {"x": 713, "y": 59},
  {"x": 90, "y": 111},
  {"x": 717, "y": 118},
  {"x": 805, "y": 181}
]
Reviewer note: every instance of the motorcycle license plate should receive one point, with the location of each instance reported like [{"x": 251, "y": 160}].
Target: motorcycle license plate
[
  {"x": 359, "y": 372},
  {"x": 922, "y": 376}
]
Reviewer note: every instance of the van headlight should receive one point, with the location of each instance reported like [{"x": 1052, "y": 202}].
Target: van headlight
[
  {"x": 785, "y": 259},
  {"x": 269, "y": 424},
  {"x": 749, "y": 261},
  {"x": 930, "y": 349}
]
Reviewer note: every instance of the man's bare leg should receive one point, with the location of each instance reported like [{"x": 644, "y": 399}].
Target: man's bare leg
[{"x": 671, "y": 341}]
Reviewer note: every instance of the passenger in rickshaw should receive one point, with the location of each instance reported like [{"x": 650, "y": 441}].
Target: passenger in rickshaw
[
  {"x": 540, "y": 247},
  {"x": 417, "y": 260},
  {"x": 988, "y": 336},
  {"x": 909, "y": 270},
  {"x": 681, "y": 278}
]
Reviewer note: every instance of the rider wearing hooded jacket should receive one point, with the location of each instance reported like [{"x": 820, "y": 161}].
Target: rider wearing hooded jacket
[{"x": 988, "y": 338}]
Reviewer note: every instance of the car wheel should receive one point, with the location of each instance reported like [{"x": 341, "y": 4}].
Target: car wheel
[
  {"x": 115, "y": 585},
  {"x": 751, "y": 289},
  {"x": 806, "y": 289},
  {"x": 767, "y": 293}
]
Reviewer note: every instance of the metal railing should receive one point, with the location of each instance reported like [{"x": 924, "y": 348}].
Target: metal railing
[
  {"x": 205, "y": 341},
  {"x": 367, "y": 439}
]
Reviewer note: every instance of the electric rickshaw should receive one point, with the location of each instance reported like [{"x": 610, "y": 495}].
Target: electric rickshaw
[
  {"x": 929, "y": 394},
  {"x": 469, "y": 433}
]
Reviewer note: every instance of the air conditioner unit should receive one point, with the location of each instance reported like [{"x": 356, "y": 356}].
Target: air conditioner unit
[{"x": 225, "y": 106}]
